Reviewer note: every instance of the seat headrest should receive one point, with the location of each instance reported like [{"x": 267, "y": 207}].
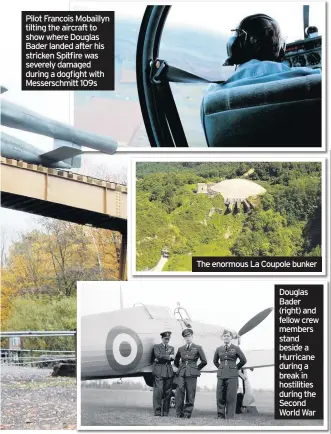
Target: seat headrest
[
  {"x": 278, "y": 91},
  {"x": 274, "y": 113}
]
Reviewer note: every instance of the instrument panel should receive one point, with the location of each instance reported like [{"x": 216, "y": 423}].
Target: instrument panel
[{"x": 306, "y": 52}]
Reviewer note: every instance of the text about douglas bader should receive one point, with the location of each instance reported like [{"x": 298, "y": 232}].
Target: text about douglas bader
[
  {"x": 68, "y": 50},
  {"x": 299, "y": 352}
]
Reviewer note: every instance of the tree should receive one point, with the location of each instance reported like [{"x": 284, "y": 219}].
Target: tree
[
  {"x": 111, "y": 173},
  {"x": 50, "y": 260},
  {"x": 29, "y": 313},
  {"x": 265, "y": 233}
]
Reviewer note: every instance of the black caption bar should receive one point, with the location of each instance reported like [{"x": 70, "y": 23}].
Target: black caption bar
[
  {"x": 68, "y": 50},
  {"x": 230, "y": 264},
  {"x": 298, "y": 351}
]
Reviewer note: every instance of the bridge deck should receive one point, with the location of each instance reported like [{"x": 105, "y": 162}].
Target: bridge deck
[{"x": 63, "y": 195}]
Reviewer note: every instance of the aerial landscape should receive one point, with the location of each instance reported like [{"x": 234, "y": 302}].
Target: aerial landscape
[
  {"x": 239, "y": 209},
  {"x": 101, "y": 112}
]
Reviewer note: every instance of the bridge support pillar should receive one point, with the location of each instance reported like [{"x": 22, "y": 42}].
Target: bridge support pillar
[{"x": 123, "y": 254}]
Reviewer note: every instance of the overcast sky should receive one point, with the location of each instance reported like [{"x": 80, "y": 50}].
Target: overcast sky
[{"x": 225, "y": 303}]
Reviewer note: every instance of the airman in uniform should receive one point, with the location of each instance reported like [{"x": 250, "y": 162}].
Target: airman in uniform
[
  {"x": 187, "y": 374},
  {"x": 163, "y": 374},
  {"x": 225, "y": 359}
]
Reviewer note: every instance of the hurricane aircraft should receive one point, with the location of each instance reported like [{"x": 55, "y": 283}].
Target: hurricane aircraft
[{"x": 119, "y": 344}]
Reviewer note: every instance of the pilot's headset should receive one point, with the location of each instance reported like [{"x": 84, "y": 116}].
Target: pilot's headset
[{"x": 249, "y": 36}]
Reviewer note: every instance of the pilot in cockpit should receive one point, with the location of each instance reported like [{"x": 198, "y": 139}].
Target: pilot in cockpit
[{"x": 257, "y": 48}]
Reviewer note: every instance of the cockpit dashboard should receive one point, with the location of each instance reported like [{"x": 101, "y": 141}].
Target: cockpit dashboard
[{"x": 306, "y": 52}]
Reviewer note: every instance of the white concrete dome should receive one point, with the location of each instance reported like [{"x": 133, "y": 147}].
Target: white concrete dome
[{"x": 238, "y": 189}]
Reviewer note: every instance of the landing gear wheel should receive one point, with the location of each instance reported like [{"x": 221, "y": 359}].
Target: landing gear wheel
[{"x": 239, "y": 406}]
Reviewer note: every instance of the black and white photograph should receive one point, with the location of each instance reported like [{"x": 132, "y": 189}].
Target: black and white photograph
[{"x": 185, "y": 354}]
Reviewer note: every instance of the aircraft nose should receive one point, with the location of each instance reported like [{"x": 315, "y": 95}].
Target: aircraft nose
[{"x": 124, "y": 349}]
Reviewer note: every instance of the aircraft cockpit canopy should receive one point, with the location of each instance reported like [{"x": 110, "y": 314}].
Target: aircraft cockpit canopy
[
  {"x": 155, "y": 312},
  {"x": 181, "y": 314}
]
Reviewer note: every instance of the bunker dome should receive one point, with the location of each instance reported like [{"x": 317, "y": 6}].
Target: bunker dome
[{"x": 238, "y": 189}]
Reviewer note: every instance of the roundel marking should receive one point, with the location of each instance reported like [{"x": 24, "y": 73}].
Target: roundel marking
[{"x": 124, "y": 349}]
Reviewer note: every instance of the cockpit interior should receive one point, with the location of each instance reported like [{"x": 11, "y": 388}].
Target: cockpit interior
[{"x": 283, "y": 113}]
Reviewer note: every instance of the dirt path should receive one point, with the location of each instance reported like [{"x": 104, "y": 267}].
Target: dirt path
[{"x": 160, "y": 264}]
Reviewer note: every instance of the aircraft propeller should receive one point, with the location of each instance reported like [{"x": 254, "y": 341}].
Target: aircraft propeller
[{"x": 255, "y": 321}]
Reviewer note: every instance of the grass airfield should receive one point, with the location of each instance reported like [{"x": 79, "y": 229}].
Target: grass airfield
[{"x": 102, "y": 407}]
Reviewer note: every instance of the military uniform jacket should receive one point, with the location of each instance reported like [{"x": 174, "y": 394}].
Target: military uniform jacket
[
  {"x": 226, "y": 361},
  {"x": 186, "y": 360},
  {"x": 162, "y": 367}
]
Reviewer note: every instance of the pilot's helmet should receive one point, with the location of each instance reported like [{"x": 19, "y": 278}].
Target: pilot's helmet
[
  {"x": 187, "y": 332},
  {"x": 166, "y": 335}
]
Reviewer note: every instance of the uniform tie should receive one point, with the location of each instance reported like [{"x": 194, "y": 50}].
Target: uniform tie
[
  {"x": 188, "y": 347},
  {"x": 166, "y": 347},
  {"x": 226, "y": 348}
]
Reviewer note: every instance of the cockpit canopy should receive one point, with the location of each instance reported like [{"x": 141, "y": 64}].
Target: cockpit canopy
[{"x": 155, "y": 312}]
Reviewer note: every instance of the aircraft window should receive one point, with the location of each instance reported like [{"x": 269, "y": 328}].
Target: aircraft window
[
  {"x": 116, "y": 113},
  {"x": 194, "y": 39},
  {"x": 156, "y": 312},
  {"x": 181, "y": 314}
]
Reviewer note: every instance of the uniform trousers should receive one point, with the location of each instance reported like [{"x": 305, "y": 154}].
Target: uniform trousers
[
  {"x": 188, "y": 386},
  {"x": 226, "y": 396},
  {"x": 162, "y": 389}
]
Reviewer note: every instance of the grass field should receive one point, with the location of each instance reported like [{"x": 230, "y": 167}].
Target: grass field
[{"x": 134, "y": 407}]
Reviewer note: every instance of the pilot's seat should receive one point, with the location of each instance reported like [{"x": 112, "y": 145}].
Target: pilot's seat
[{"x": 283, "y": 112}]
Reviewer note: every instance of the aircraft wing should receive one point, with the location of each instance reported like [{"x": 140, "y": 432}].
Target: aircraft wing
[
  {"x": 61, "y": 153},
  {"x": 259, "y": 358}
]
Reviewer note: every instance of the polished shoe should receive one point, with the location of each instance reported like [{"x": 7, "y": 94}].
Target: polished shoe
[
  {"x": 220, "y": 416},
  {"x": 179, "y": 415},
  {"x": 187, "y": 416}
]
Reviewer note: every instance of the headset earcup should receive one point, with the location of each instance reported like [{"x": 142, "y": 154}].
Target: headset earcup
[
  {"x": 229, "y": 49},
  {"x": 235, "y": 49}
]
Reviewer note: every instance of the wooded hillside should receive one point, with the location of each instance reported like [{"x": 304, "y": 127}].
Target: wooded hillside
[{"x": 286, "y": 220}]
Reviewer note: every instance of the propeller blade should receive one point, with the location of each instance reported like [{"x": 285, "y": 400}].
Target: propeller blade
[{"x": 255, "y": 321}]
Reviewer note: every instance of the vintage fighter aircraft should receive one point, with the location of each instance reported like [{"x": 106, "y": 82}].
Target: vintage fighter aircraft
[
  {"x": 68, "y": 141},
  {"x": 119, "y": 344}
]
